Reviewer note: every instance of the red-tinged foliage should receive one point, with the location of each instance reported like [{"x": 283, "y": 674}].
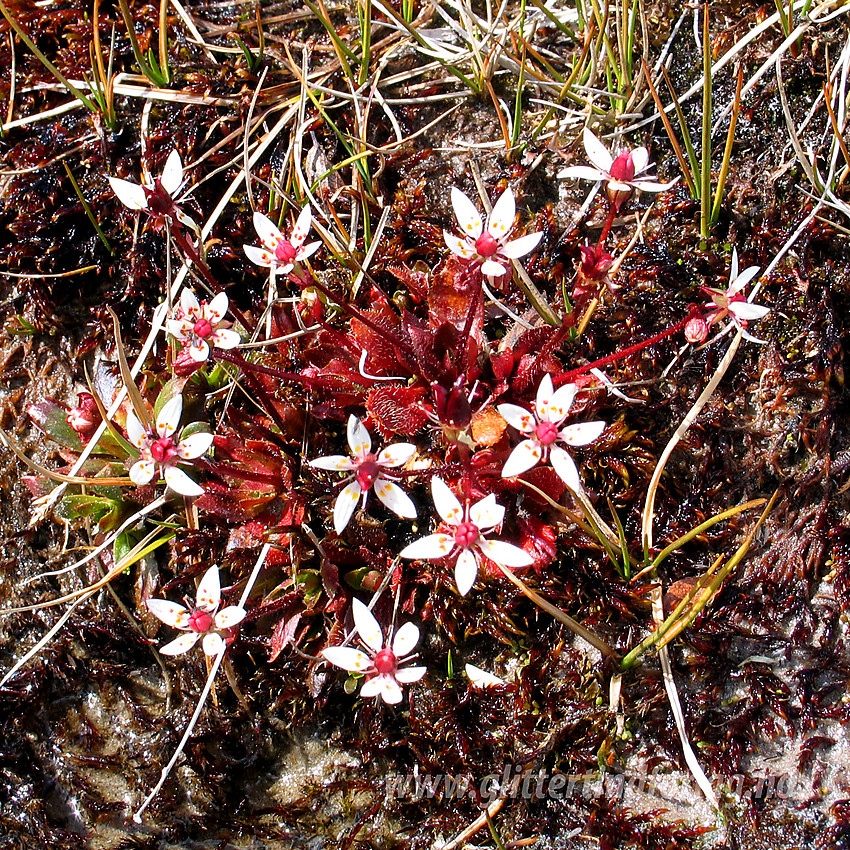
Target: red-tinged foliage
[
  {"x": 538, "y": 539},
  {"x": 397, "y": 409},
  {"x": 283, "y": 635}
]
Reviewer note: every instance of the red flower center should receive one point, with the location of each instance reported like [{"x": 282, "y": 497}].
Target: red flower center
[
  {"x": 546, "y": 433},
  {"x": 200, "y": 621},
  {"x": 367, "y": 472},
  {"x": 203, "y": 328},
  {"x": 285, "y": 251},
  {"x": 467, "y": 535},
  {"x": 486, "y": 245},
  {"x": 163, "y": 450},
  {"x": 385, "y": 661},
  {"x": 623, "y": 168}
]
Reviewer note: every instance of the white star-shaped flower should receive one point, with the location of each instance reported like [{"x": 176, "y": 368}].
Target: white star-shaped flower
[
  {"x": 623, "y": 173},
  {"x": 200, "y": 324},
  {"x": 156, "y": 198},
  {"x": 467, "y": 537},
  {"x": 369, "y": 473},
  {"x": 490, "y": 245},
  {"x": 381, "y": 662},
  {"x": 159, "y": 452},
  {"x": 733, "y": 303},
  {"x": 543, "y": 432},
  {"x": 201, "y": 620},
  {"x": 277, "y": 252}
]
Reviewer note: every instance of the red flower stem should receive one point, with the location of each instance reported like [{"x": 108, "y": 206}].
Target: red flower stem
[
  {"x": 566, "y": 377},
  {"x": 249, "y": 370},
  {"x": 612, "y": 211},
  {"x": 245, "y": 366}
]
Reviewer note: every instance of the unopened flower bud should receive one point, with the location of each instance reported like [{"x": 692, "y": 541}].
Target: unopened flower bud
[
  {"x": 85, "y": 417},
  {"x": 696, "y": 330}
]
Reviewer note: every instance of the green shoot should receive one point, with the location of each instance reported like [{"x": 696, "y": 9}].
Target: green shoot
[
  {"x": 147, "y": 65},
  {"x": 364, "y": 13},
  {"x": 705, "y": 173},
  {"x": 87, "y": 208}
]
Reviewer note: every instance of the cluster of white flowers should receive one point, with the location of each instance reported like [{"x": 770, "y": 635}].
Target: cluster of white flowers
[{"x": 465, "y": 529}]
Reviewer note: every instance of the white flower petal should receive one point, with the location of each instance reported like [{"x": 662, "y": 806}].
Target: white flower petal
[
  {"x": 208, "y": 595},
  {"x": 194, "y": 445},
  {"x": 559, "y": 404},
  {"x": 170, "y": 613},
  {"x": 446, "y": 503},
  {"x": 336, "y": 463},
  {"x": 142, "y": 471},
  {"x": 229, "y": 617},
  {"x": 740, "y": 281},
  {"x": 372, "y": 687},
  {"x": 517, "y": 417},
  {"x": 747, "y": 312},
  {"x": 345, "y": 504},
  {"x": 493, "y": 269},
  {"x": 566, "y": 468},
  {"x": 216, "y": 309},
  {"x": 487, "y": 513},
  {"x": 180, "y": 644},
  {"x": 505, "y": 554},
  {"x": 391, "y": 692},
  {"x": 367, "y": 626},
  {"x": 189, "y": 304},
  {"x": 395, "y": 498},
  {"x": 467, "y": 215},
  {"x": 135, "y": 430},
  {"x": 132, "y": 195},
  {"x": 405, "y": 640},
  {"x": 640, "y": 159},
  {"x": 581, "y": 172},
  {"x": 517, "y": 248},
  {"x": 526, "y": 455},
  {"x": 651, "y": 185},
  {"x": 462, "y": 247},
  {"x": 225, "y": 339},
  {"x": 213, "y": 644},
  {"x": 582, "y": 433},
  {"x": 260, "y": 256},
  {"x": 267, "y": 231},
  {"x": 178, "y": 481},
  {"x": 481, "y": 678},
  {"x": 429, "y": 548},
  {"x": 348, "y": 658},
  {"x": 733, "y": 270},
  {"x": 307, "y": 251},
  {"x": 466, "y": 571},
  {"x": 168, "y": 418},
  {"x": 302, "y": 227},
  {"x": 501, "y": 219},
  {"x": 359, "y": 440},
  {"x": 199, "y": 351},
  {"x": 597, "y": 153},
  {"x": 544, "y": 393},
  {"x": 172, "y": 173},
  {"x": 408, "y": 675},
  {"x": 398, "y": 454}
]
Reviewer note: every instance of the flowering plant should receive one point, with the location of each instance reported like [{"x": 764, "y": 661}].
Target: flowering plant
[
  {"x": 468, "y": 526},
  {"x": 488, "y": 245},
  {"x": 369, "y": 471},
  {"x": 623, "y": 173},
  {"x": 160, "y": 453},
  {"x": 157, "y": 197},
  {"x": 381, "y": 662},
  {"x": 200, "y": 621}
]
